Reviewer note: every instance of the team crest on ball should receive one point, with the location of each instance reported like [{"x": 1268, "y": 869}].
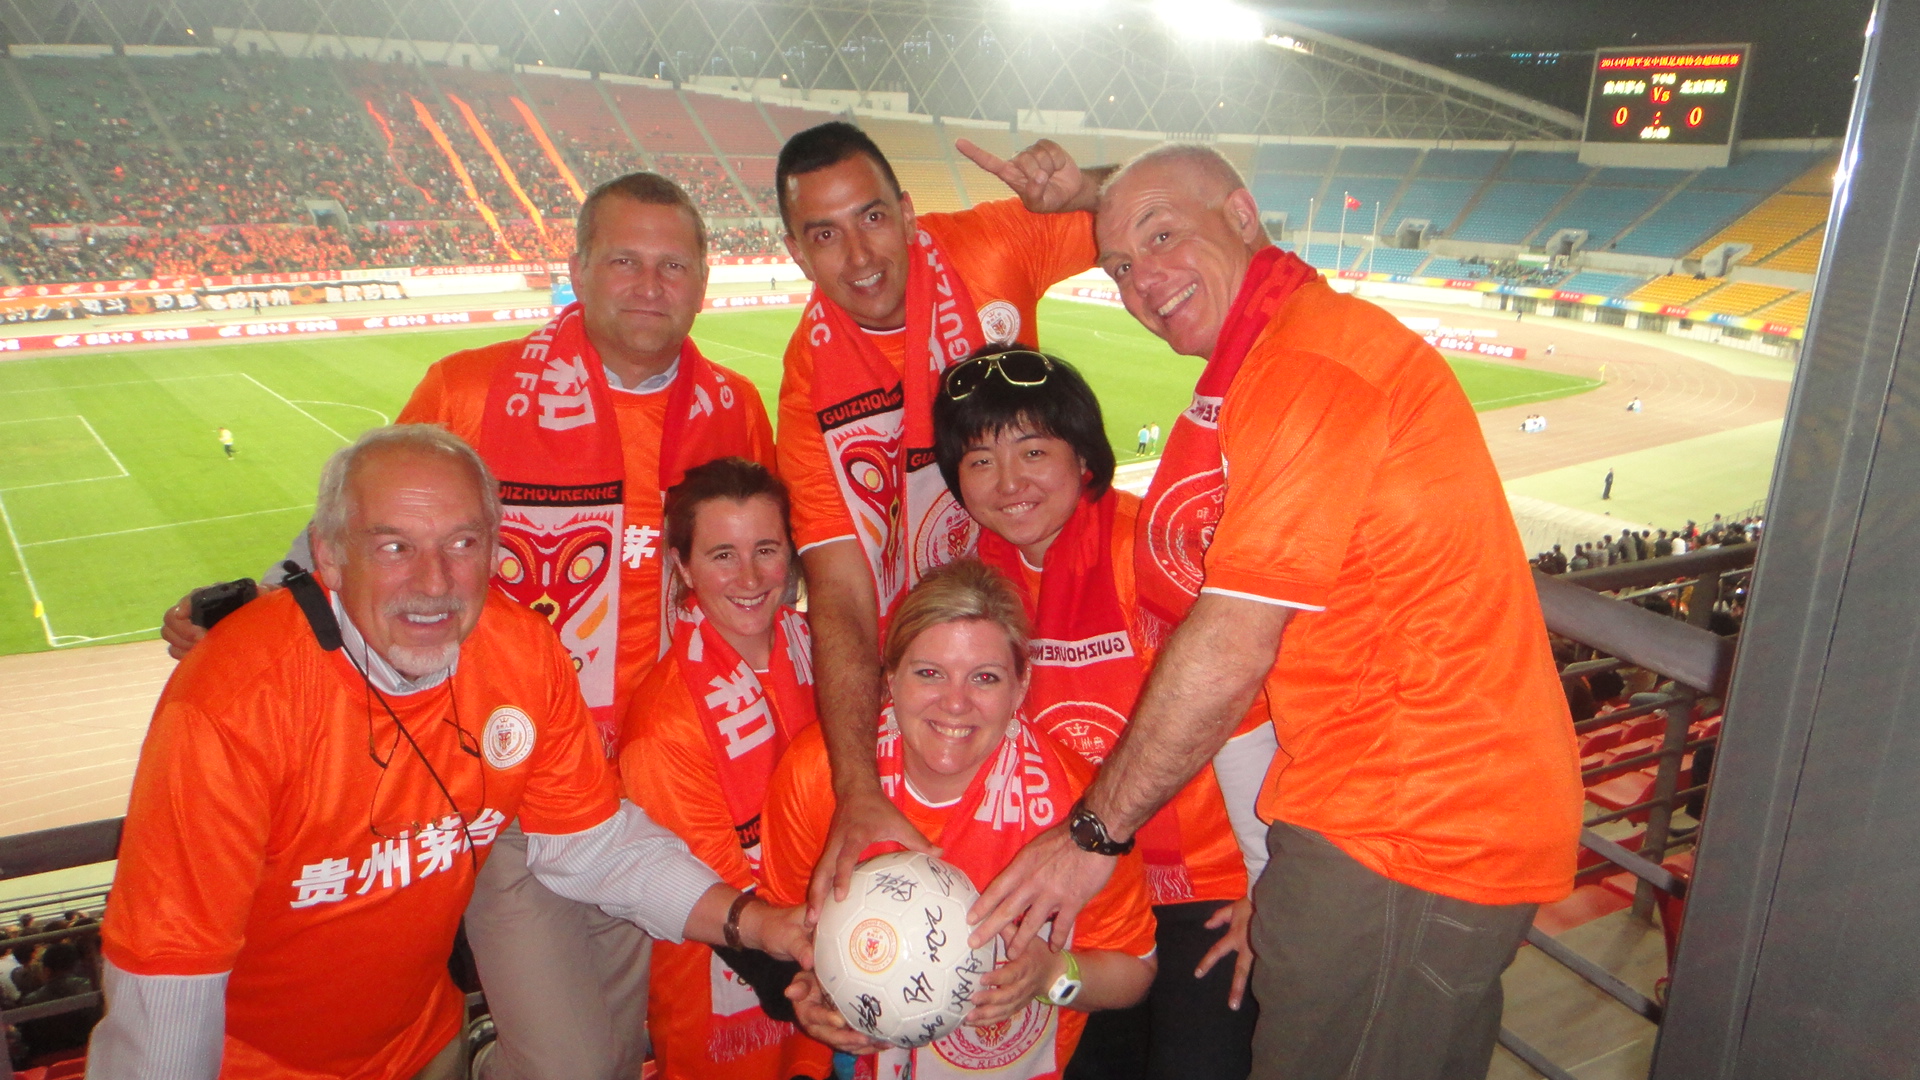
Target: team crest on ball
[
  {"x": 873, "y": 945},
  {"x": 508, "y": 737},
  {"x": 1000, "y": 322},
  {"x": 995, "y": 1046}
]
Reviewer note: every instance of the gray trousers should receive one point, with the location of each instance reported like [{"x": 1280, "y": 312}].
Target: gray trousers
[
  {"x": 566, "y": 983},
  {"x": 1362, "y": 978}
]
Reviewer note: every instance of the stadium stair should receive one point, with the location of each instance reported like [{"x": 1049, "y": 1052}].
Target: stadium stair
[
  {"x": 1741, "y": 298},
  {"x": 693, "y": 113},
  {"x": 1777, "y": 223},
  {"x": 1802, "y": 256},
  {"x": 1677, "y": 290},
  {"x": 1791, "y": 310},
  {"x": 160, "y": 124},
  {"x": 1682, "y": 220}
]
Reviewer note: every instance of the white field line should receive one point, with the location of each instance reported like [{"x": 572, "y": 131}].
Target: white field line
[
  {"x": 168, "y": 525},
  {"x": 128, "y": 382},
  {"x": 122, "y": 474},
  {"x": 384, "y": 418},
  {"x": 294, "y": 407},
  {"x": 26, "y": 572}
]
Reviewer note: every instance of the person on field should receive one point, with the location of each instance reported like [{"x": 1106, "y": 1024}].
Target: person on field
[
  {"x": 957, "y": 753},
  {"x": 898, "y": 297},
  {"x": 327, "y": 775},
  {"x": 701, "y": 737},
  {"x": 1142, "y": 439},
  {"x": 1020, "y": 441},
  {"x": 587, "y": 422},
  {"x": 226, "y": 442},
  {"x": 1429, "y": 798}
]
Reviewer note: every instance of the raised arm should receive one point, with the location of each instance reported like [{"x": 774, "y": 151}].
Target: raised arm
[
  {"x": 1044, "y": 175},
  {"x": 1203, "y": 683},
  {"x": 844, "y": 616}
]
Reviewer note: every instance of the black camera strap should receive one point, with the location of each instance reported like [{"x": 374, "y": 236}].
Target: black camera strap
[{"x": 313, "y": 603}]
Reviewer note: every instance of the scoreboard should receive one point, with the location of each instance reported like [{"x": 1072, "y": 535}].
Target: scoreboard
[{"x": 1682, "y": 97}]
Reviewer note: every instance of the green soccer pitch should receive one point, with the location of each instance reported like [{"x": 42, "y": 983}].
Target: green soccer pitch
[{"x": 117, "y": 498}]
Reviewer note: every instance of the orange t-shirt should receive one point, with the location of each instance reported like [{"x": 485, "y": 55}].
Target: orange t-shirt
[
  {"x": 453, "y": 394},
  {"x": 667, "y": 769},
  {"x": 1421, "y": 723},
  {"x": 794, "y": 832},
  {"x": 1215, "y": 868},
  {"x": 250, "y": 846},
  {"x": 1002, "y": 252}
]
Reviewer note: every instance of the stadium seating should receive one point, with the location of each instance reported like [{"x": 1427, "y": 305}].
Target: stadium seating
[
  {"x": 1771, "y": 226},
  {"x": 1602, "y": 211},
  {"x": 1282, "y": 194},
  {"x": 1456, "y": 270},
  {"x": 929, "y": 182},
  {"x": 1373, "y": 194},
  {"x": 1536, "y": 165},
  {"x": 1688, "y": 218},
  {"x": 918, "y": 154},
  {"x": 789, "y": 121},
  {"x": 1802, "y": 256},
  {"x": 1288, "y": 158},
  {"x": 1460, "y": 164},
  {"x": 1436, "y": 201},
  {"x": 1394, "y": 161},
  {"x": 736, "y": 126},
  {"x": 1385, "y": 260},
  {"x": 1676, "y": 289},
  {"x": 1740, "y": 298},
  {"x": 1602, "y": 284},
  {"x": 1767, "y": 170},
  {"x": 1792, "y": 310},
  {"x": 1508, "y": 211}
]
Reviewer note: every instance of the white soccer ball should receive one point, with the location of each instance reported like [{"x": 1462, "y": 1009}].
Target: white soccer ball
[{"x": 893, "y": 955}]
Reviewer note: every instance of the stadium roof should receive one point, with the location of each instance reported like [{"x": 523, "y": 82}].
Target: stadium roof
[{"x": 1120, "y": 63}]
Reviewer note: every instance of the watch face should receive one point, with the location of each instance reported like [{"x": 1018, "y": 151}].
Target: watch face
[
  {"x": 1065, "y": 989},
  {"x": 1085, "y": 830}
]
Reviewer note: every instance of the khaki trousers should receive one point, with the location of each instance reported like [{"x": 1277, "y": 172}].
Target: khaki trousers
[{"x": 566, "y": 983}]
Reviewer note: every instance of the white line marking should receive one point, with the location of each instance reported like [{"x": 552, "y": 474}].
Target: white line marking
[
  {"x": 1481, "y": 406},
  {"x": 33, "y": 590},
  {"x": 294, "y": 407},
  {"x": 168, "y": 525},
  {"x": 103, "y": 445},
  {"x": 384, "y": 418}
]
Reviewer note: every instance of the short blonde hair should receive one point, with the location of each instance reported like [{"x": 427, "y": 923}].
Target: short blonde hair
[{"x": 963, "y": 591}]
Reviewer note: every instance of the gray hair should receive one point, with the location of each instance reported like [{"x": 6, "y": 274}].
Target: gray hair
[
  {"x": 331, "y": 507},
  {"x": 1203, "y": 160}
]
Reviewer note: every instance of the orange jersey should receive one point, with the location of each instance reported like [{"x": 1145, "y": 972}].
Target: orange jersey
[
  {"x": 1008, "y": 258},
  {"x": 250, "y": 845},
  {"x": 1422, "y": 726},
  {"x": 667, "y": 768},
  {"x": 794, "y": 832},
  {"x": 1215, "y": 869},
  {"x": 453, "y": 394}
]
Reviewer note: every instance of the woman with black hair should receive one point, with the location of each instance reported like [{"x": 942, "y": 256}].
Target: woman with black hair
[{"x": 1019, "y": 438}]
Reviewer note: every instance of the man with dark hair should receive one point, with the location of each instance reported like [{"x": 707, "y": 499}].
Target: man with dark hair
[
  {"x": 587, "y": 421},
  {"x": 898, "y": 298}
]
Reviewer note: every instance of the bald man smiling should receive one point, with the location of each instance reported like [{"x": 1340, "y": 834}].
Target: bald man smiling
[{"x": 1426, "y": 796}]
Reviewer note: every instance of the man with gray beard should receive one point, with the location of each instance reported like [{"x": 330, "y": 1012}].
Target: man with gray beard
[{"x": 325, "y": 777}]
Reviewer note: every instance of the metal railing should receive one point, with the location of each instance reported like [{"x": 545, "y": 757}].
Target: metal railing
[{"x": 1621, "y": 633}]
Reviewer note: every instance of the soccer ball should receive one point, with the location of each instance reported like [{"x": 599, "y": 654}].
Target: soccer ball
[{"x": 893, "y": 955}]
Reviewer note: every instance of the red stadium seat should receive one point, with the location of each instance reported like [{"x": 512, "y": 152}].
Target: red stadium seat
[{"x": 1623, "y": 791}]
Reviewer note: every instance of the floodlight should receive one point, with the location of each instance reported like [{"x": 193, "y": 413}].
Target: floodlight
[
  {"x": 1210, "y": 19},
  {"x": 1058, "y": 9}
]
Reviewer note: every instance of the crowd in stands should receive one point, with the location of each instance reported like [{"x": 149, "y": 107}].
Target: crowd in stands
[
  {"x": 43, "y": 972},
  {"x": 1515, "y": 272},
  {"x": 1631, "y": 546}
]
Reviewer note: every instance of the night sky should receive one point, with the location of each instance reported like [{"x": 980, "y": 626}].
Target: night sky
[{"x": 1806, "y": 52}]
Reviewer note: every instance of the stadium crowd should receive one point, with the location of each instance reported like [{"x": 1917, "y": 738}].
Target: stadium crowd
[
  {"x": 1633, "y": 546},
  {"x": 42, "y": 972}
]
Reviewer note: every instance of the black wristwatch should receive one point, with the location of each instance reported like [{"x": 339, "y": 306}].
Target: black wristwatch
[{"x": 1090, "y": 833}]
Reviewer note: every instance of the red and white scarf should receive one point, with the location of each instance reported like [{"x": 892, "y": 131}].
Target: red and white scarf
[
  {"x": 550, "y": 436},
  {"x": 878, "y": 424},
  {"x": 1087, "y": 674},
  {"x": 1190, "y": 488},
  {"x": 748, "y": 716}
]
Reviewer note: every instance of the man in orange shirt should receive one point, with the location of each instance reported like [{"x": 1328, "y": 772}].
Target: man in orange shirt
[
  {"x": 403, "y": 711},
  {"x": 897, "y": 298},
  {"x": 1426, "y": 797},
  {"x": 587, "y": 422}
]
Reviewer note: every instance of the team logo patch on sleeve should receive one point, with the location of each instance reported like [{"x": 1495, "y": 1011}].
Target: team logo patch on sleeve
[{"x": 508, "y": 738}]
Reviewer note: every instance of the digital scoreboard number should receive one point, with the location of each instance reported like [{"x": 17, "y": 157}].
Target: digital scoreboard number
[{"x": 1687, "y": 95}]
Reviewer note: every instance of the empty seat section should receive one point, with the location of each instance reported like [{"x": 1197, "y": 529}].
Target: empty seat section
[
  {"x": 900, "y": 139},
  {"x": 1771, "y": 226},
  {"x": 1760, "y": 170},
  {"x": 1084, "y": 148},
  {"x": 1802, "y": 256},
  {"x": 1289, "y": 158},
  {"x": 1601, "y": 284},
  {"x": 1373, "y": 194},
  {"x": 1818, "y": 179},
  {"x": 1460, "y": 164},
  {"x": 659, "y": 121},
  {"x": 757, "y": 174},
  {"x": 1394, "y": 161},
  {"x": 1686, "y": 220},
  {"x": 1390, "y": 260},
  {"x": 1535, "y": 165},
  {"x": 997, "y": 141},
  {"x": 930, "y": 183},
  {"x": 790, "y": 121},
  {"x": 1119, "y": 149},
  {"x": 1509, "y": 211},
  {"x": 1741, "y": 298},
  {"x": 1286, "y": 195},
  {"x": 1454, "y": 270},
  {"x": 1603, "y": 212},
  {"x": 1437, "y": 201},
  {"x": 576, "y": 110},
  {"x": 1792, "y": 311},
  {"x": 1676, "y": 289},
  {"x": 736, "y": 126}
]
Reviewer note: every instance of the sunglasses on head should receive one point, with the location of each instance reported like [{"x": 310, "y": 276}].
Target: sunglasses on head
[{"x": 1020, "y": 367}]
